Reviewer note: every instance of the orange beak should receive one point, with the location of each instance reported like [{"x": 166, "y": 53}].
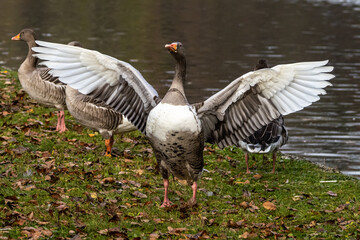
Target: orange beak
[
  {"x": 17, "y": 37},
  {"x": 172, "y": 47}
]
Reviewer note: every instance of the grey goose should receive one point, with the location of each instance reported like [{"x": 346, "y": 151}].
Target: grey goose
[
  {"x": 176, "y": 129},
  {"x": 269, "y": 138},
  {"x": 96, "y": 115},
  {"x": 38, "y": 83}
]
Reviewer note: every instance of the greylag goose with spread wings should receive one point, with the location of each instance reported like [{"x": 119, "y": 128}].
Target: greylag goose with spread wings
[
  {"x": 96, "y": 115},
  {"x": 269, "y": 138},
  {"x": 176, "y": 129},
  {"x": 38, "y": 83}
]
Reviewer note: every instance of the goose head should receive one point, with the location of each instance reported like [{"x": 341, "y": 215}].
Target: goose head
[
  {"x": 176, "y": 49},
  {"x": 75, "y": 43},
  {"x": 26, "y": 35}
]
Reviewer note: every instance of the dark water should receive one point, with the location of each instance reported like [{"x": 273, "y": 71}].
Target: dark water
[{"x": 223, "y": 39}]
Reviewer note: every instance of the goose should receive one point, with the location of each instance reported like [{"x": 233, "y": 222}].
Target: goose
[
  {"x": 176, "y": 129},
  {"x": 38, "y": 83},
  {"x": 96, "y": 115},
  {"x": 269, "y": 138}
]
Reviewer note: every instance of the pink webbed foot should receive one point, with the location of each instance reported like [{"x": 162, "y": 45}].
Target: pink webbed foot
[
  {"x": 192, "y": 201},
  {"x": 165, "y": 204}
]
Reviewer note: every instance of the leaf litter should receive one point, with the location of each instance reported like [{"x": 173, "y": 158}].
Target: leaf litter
[{"x": 61, "y": 186}]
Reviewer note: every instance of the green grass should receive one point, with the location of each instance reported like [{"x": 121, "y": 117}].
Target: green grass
[{"x": 57, "y": 186}]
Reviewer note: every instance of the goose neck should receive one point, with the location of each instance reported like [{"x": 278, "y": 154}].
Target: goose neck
[
  {"x": 180, "y": 74},
  {"x": 32, "y": 61}
]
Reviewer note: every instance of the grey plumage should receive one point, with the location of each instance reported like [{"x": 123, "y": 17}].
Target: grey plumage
[
  {"x": 178, "y": 150},
  {"x": 38, "y": 83},
  {"x": 95, "y": 114}
]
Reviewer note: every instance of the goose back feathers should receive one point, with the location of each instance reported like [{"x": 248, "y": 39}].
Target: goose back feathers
[
  {"x": 96, "y": 115},
  {"x": 267, "y": 139}
]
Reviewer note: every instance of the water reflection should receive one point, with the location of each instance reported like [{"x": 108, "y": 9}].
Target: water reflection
[{"x": 223, "y": 39}]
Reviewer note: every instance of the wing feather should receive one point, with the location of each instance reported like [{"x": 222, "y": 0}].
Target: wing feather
[
  {"x": 57, "y": 58},
  {"x": 68, "y": 72},
  {"x": 102, "y": 78},
  {"x": 257, "y": 98}
]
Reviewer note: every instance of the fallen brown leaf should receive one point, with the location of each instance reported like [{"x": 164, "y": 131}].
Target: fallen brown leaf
[
  {"x": 117, "y": 232},
  {"x": 232, "y": 211},
  {"x": 257, "y": 176},
  {"x": 127, "y": 140},
  {"x": 46, "y": 233},
  {"x": 10, "y": 199},
  {"x": 108, "y": 180},
  {"x": 139, "y": 194},
  {"x": 269, "y": 206},
  {"x": 176, "y": 230},
  {"x": 79, "y": 224},
  {"x": 139, "y": 172},
  {"x": 76, "y": 237},
  {"x": 136, "y": 184},
  {"x": 103, "y": 232},
  {"x": 233, "y": 224},
  {"x": 55, "y": 196},
  {"x": 312, "y": 224},
  {"x": 245, "y": 235},
  {"x": 246, "y": 182},
  {"x": 158, "y": 220},
  {"x": 244, "y": 204},
  {"x": 61, "y": 207},
  {"x": 297, "y": 197},
  {"x": 341, "y": 207},
  {"x": 253, "y": 207},
  {"x": 28, "y": 188},
  {"x": 331, "y": 193},
  {"x": 31, "y": 216},
  {"x": 154, "y": 236},
  {"x": 200, "y": 235},
  {"x": 42, "y": 223}
]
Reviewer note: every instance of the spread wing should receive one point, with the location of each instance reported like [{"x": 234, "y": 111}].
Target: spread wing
[
  {"x": 104, "y": 78},
  {"x": 257, "y": 98},
  {"x": 46, "y": 76}
]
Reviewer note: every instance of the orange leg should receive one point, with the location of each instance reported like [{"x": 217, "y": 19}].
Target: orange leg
[{"x": 108, "y": 144}]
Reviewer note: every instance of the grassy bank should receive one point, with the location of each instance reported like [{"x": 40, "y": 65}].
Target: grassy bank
[{"x": 60, "y": 186}]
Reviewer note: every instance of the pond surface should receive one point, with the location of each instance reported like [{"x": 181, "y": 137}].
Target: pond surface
[{"x": 223, "y": 40}]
